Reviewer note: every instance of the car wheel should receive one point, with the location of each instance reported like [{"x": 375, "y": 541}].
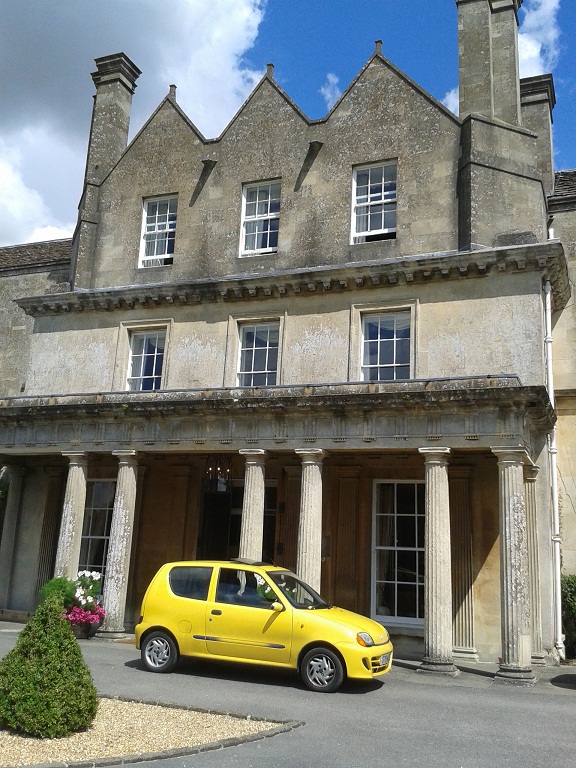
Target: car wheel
[
  {"x": 159, "y": 652},
  {"x": 322, "y": 670}
]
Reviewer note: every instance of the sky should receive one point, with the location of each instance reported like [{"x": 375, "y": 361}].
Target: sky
[{"x": 216, "y": 51}]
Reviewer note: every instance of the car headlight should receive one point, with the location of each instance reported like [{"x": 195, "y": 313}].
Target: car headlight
[{"x": 364, "y": 639}]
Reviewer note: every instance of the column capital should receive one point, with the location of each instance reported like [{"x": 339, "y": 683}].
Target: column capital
[
  {"x": 254, "y": 455},
  {"x": 531, "y": 473},
  {"x": 77, "y": 458},
  {"x": 435, "y": 454},
  {"x": 314, "y": 455},
  {"x": 126, "y": 457},
  {"x": 512, "y": 455}
]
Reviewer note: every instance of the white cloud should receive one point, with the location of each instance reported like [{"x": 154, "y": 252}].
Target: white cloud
[
  {"x": 25, "y": 216},
  {"x": 450, "y": 100},
  {"x": 199, "y": 45},
  {"x": 538, "y": 40},
  {"x": 204, "y": 59},
  {"x": 330, "y": 91}
]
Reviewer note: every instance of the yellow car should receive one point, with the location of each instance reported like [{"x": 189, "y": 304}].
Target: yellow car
[{"x": 257, "y": 614}]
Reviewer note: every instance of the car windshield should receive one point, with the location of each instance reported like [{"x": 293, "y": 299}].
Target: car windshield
[{"x": 299, "y": 594}]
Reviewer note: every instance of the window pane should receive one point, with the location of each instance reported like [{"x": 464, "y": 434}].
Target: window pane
[
  {"x": 406, "y": 562},
  {"x": 402, "y": 352},
  {"x": 407, "y": 596},
  {"x": 386, "y": 356}
]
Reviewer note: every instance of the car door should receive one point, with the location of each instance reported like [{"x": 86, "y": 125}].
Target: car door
[
  {"x": 189, "y": 587},
  {"x": 241, "y": 622}
]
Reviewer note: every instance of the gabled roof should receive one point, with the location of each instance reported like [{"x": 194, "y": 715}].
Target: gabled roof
[
  {"x": 378, "y": 57},
  {"x": 43, "y": 254},
  {"x": 564, "y": 183}
]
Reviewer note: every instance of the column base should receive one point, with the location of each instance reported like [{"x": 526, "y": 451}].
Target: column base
[
  {"x": 111, "y": 634},
  {"x": 438, "y": 667},
  {"x": 509, "y": 675},
  {"x": 465, "y": 654},
  {"x": 539, "y": 660}
]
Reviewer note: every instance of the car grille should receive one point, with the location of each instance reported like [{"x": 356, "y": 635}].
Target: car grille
[{"x": 376, "y": 665}]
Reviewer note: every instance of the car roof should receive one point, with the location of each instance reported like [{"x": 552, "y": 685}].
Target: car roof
[{"x": 229, "y": 563}]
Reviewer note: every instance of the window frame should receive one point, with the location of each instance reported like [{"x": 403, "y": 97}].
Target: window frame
[
  {"x": 242, "y": 347},
  {"x": 86, "y": 539},
  {"x": 409, "y": 622},
  {"x": 357, "y": 314},
  {"x": 384, "y": 233},
  {"x": 233, "y": 346},
  {"x": 135, "y": 334},
  {"x": 163, "y": 259},
  {"x": 123, "y": 351},
  {"x": 269, "y": 216}
]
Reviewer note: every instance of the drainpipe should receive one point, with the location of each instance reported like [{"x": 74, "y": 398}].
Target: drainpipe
[{"x": 552, "y": 453}]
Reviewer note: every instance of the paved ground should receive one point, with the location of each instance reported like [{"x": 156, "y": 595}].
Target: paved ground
[{"x": 408, "y": 719}]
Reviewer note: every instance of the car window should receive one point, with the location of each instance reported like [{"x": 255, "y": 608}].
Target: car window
[
  {"x": 299, "y": 594},
  {"x": 241, "y": 587},
  {"x": 190, "y": 581}
]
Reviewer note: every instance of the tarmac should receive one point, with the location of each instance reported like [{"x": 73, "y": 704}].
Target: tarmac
[{"x": 404, "y": 719}]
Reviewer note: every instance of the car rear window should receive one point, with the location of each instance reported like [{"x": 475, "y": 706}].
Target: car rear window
[{"x": 190, "y": 581}]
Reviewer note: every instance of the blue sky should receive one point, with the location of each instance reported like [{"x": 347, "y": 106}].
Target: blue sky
[{"x": 220, "y": 48}]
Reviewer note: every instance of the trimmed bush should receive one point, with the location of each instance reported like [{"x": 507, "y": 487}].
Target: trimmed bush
[
  {"x": 569, "y": 613},
  {"x": 62, "y": 586},
  {"x": 45, "y": 686}
]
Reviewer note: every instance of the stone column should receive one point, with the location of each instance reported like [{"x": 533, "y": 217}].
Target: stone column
[
  {"x": 8, "y": 541},
  {"x": 438, "y": 566},
  {"x": 515, "y": 665},
  {"x": 70, "y": 538},
  {"x": 309, "y": 556},
  {"x": 252, "y": 526},
  {"x": 121, "y": 530},
  {"x": 530, "y": 475},
  {"x": 462, "y": 572}
]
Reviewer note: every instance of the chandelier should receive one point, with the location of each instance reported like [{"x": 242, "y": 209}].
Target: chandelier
[{"x": 217, "y": 473}]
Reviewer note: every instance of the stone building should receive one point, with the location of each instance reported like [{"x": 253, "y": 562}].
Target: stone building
[{"x": 325, "y": 343}]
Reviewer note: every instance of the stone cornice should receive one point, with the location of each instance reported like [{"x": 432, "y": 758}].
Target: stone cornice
[
  {"x": 494, "y": 392},
  {"x": 548, "y": 258}
]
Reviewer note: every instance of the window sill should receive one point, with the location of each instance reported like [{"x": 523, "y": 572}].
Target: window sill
[{"x": 253, "y": 254}]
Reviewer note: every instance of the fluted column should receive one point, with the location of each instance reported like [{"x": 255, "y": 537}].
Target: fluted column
[
  {"x": 8, "y": 541},
  {"x": 309, "y": 556},
  {"x": 119, "y": 549},
  {"x": 514, "y": 582},
  {"x": 530, "y": 475},
  {"x": 70, "y": 538},
  {"x": 252, "y": 526},
  {"x": 462, "y": 575},
  {"x": 438, "y": 566}
]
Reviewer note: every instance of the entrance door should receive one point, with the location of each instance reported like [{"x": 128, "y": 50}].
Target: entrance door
[
  {"x": 222, "y": 520},
  {"x": 215, "y": 526}
]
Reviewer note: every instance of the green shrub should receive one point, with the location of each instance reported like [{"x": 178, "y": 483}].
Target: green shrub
[
  {"x": 45, "y": 687},
  {"x": 60, "y": 585},
  {"x": 569, "y": 613}
]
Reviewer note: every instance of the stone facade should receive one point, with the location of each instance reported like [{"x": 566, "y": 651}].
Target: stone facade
[{"x": 407, "y": 475}]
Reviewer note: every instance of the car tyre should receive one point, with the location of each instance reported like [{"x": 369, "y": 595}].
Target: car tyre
[
  {"x": 322, "y": 670},
  {"x": 159, "y": 652}
]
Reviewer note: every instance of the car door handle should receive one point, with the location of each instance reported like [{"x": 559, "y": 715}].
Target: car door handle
[{"x": 216, "y": 612}]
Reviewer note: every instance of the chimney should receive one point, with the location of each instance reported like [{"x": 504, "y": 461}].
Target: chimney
[
  {"x": 115, "y": 81},
  {"x": 538, "y": 99},
  {"x": 488, "y": 59}
]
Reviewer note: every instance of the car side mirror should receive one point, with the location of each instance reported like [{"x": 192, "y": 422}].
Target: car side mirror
[{"x": 276, "y": 606}]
